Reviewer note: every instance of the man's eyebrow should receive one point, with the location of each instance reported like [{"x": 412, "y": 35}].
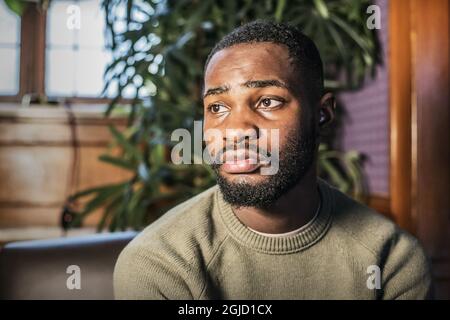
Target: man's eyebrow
[
  {"x": 264, "y": 84},
  {"x": 216, "y": 90},
  {"x": 247, "y": 84}
]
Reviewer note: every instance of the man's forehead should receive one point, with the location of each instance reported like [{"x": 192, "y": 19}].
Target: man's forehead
[{"x": 244, "y": 62}]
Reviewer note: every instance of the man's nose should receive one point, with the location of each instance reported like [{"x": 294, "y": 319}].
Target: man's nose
[{"x": 240, "y": 127}]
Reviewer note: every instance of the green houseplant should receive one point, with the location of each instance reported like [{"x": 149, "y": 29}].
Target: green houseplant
[
  {"x": 159, "y": 49},
  {"x": 18, "y": 6}
]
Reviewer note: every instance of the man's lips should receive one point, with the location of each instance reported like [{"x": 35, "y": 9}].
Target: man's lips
[
  {"x": 240, "y": 166},
  {"x": 241, "y": 161}
]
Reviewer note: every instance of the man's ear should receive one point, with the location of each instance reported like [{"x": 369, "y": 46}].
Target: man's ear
[{"x": 326, "y": 109}]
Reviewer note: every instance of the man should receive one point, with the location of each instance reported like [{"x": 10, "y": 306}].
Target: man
[{"x": 288, "y": 235}]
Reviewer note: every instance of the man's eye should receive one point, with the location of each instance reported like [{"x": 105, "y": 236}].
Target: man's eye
[
  {"x": 270, "y": 103},
  {"x": 217, "y": 108}
]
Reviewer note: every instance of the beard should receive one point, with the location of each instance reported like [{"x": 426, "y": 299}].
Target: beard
[{"x": 295, "y": 159}]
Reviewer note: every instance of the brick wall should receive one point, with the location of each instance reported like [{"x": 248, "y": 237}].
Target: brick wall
[{"x": 366, "y": 122}]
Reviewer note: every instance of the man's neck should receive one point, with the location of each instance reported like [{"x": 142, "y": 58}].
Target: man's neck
[{"x": 291, "y": 211}]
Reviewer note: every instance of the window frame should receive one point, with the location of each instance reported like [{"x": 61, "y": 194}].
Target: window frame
[{"x": 33, "y": 27}]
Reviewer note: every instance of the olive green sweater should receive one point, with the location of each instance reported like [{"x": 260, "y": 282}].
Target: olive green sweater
[{"x": 200, "y": 250}]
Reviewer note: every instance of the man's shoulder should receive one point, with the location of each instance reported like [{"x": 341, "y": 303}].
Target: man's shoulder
[
  {"x": 174, "y": 248},
  {"x": 182, "y": 225},
  {"x": 372, "y": 230},
  {"x": 189, "y": 213},
  {"x": 405, "y": 265}
]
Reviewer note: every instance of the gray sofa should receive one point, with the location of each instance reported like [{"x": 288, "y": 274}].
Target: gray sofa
[{"x": 63, "y": 268}]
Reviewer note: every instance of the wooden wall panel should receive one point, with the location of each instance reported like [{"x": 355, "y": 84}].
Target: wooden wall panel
[
  {"x": 15, "y": 216},
  {"x": 35, "y": 175},
  {"x": 48, "y": 133},
  {"x": 431, "y": 123},
  {"x": 431, "y": 108},
  {"x": 36, "y": 158},
  {"x": 93, "y": 172}
]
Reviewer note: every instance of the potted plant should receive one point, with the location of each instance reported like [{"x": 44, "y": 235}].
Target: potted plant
[{"x": 159, "y": 49}]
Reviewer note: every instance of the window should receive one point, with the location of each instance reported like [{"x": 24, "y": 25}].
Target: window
[
  {"x": 76, "y": 55},
  {"x": 9, "y": 51},
  {"x": 44, "y": 53}
]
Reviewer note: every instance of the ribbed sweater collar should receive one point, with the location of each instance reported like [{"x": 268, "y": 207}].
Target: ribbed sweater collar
[{"x": 280, "y": 245}]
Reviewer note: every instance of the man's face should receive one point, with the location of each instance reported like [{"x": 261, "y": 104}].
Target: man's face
[{"x": 255, "y": 88}]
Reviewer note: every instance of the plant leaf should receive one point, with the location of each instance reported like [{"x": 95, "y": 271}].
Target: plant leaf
[
  {"x": 16, "y": 6},
  {"x": 119, "y": 162}
]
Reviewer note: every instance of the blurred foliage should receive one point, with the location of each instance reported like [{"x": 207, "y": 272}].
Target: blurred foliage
[
  {"x": 159, "y": 51},
  {"x": 18, "y": 6}
]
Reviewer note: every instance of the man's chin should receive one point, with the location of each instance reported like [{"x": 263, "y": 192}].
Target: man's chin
[
  {"x": 247, "y": 190},
  {"x": 244, "y": 178}
]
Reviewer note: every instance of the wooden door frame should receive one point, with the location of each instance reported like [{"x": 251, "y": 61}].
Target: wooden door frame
[
  {"x": 400, "y": 97},
  {"x": 419, "y": 127}
]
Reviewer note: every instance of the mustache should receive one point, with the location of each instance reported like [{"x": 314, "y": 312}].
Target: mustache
[{"x": 261, "y": 153}]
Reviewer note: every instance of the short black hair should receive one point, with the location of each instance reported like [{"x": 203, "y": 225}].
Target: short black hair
[{"x": 302, "y": 50}]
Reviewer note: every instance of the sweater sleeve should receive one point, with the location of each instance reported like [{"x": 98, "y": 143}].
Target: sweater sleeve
[
  {"x": 406, "y": 273},
  {"x": 141, "y": 274}
]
